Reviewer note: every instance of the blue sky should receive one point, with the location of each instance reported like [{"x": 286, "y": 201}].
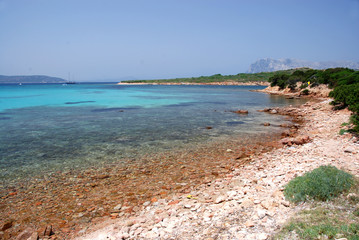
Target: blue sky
[{"x": 101, "y": 40}]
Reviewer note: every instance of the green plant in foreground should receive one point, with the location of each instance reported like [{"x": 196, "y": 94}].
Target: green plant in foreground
[
  {"x": 322, "y": 184},
  {"x": 324, "y": 231},
  {"x": 342, "y": 131}
]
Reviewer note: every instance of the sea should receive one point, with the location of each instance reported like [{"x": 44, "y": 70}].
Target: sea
[{"x": 55, "y": 127}]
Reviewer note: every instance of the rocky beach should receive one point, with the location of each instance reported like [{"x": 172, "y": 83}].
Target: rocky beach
[
  {"x": 248, "y": 202},
  {"x": 232, "y": 193}
]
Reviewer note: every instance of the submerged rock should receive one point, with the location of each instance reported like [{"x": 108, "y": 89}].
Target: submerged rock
[{"x": 240, "y": 111}]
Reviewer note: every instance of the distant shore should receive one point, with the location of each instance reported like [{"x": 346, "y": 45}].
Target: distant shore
[{"x": 226, "y": 83}]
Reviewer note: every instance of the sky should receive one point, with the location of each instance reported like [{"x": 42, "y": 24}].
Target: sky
[{"x": 112, "y": 40}]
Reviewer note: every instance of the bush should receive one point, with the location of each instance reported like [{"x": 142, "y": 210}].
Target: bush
[
  {"x": 279, "y": 80},
  {"x": 315, "y": 84},
  {"x": 305, "y": 92},
  {"x": 322, "y": 184}
]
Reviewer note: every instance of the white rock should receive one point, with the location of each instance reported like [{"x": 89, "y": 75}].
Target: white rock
[{"x": 220, "y": 199}]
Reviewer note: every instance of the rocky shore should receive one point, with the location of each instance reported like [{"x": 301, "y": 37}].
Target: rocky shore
[
  {"x": 216, "y": 192},
  {"x": 248, "y": 202}
]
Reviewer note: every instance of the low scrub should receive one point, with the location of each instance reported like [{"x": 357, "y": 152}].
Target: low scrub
[
  {"x": 343, "y": 81},
  {"x": 334, "y": 219},
  {"x": 323, "y": 183}
]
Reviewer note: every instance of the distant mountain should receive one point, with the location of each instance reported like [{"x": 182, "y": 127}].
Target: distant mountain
[
  {"x": 271, "y": 65},
  {"x": 30, "y": 79}
]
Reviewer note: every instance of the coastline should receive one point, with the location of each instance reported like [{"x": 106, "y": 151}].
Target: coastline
[
  {"x": 226, "y": 83},
  {"x": 242, "y": 199},
  {"x": 248, "y": 202}
]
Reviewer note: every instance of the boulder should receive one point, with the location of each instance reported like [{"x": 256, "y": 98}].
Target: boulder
[
  {"x": 240, "y": 111},
  {"x": 299, "y": 140}
]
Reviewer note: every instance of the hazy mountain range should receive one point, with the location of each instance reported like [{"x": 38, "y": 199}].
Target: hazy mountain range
[
  {"x": 271, "y": 65},
  {"x": 30, "y": 79}
]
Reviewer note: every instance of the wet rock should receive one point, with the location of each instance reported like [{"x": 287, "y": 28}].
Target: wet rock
[
  {"x": 209, "y": 127},
  {"x": 240, "y": 111},
  {"x": 28, "y": 234},
  {"x": 266, "y": 124},
  {"x": 102, "y": 176},
  {"x": 300, "y": 140}
]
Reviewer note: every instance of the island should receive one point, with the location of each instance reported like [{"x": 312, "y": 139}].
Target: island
[{"x": 30, "y": 79}]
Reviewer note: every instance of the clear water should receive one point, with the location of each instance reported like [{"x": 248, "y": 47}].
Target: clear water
[{"x": 55, "y": 127}]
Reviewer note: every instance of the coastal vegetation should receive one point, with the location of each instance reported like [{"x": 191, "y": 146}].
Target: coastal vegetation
[
  {"x": 240, "y": 77},
  {"x": 343, "y": 81},
  {"x": 323, "y": 183},
  {"x": 333, "y": 214}
]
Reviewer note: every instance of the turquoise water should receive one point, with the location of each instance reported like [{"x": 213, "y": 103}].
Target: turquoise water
[{"x": 49, "y": 127}]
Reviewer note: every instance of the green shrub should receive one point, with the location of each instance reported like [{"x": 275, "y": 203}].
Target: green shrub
[
  {"x": 305, "y": 92},
  {"x": 342, "y": 131},
  {"x": 303, "y": 86},
  {"x": 280, "y": 80},
  {"x": 322, "y": 184},
  {"x": 315, "y": 84},
  {"x": 356, "y": 212}
]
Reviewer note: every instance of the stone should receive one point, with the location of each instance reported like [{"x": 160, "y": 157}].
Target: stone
[
  {"x": 117, "y": 208},
  {"x": 8, "y": 224},
  {"x": 300, "y": 140},
  {"x": 28, "y": 234},
  {"x": 349, "y": 150},
  {"x": 151, "y": 235},
  {"x": 261, "y": 213},
  {"x": 48, "y": 231},
  {"x": 249, "y": 223},
  {"x": 273, "y": 111},
  {"x": 240, "y": 111},
  {"x": 266, "y": 204},
  {"x": 247, "y": 203},
  {"x": 174, "y": 202},
  {"x": 266, "y": 124},
  {"x": 262, "y": 236},
  {"x": 285, "y": 203},
  {"x": 220, "y": 199}
]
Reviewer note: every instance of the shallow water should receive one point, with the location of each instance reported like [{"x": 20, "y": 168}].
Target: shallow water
[{"x": 46, "y": 128}]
